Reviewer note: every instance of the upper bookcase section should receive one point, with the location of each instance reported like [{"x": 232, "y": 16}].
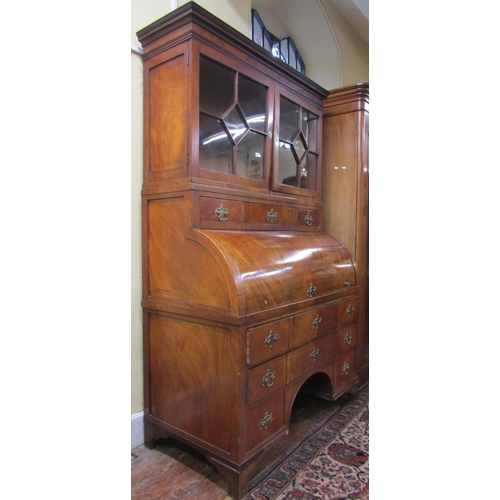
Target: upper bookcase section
[{"x": 221, "y": 110}]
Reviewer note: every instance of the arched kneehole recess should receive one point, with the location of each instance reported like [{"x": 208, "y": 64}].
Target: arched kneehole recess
[{"x": 317, "y": 386}]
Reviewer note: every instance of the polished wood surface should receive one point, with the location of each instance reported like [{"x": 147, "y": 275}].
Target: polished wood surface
[
  {"x": 244, "y": 294},
  {"x": 345, "y": 190}
]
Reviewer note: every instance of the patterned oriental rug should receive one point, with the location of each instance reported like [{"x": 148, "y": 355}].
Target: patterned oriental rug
[{"x": 331, "y": 464}]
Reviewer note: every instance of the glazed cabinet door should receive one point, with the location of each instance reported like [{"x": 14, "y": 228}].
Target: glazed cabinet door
[
  {"x": 232, "y": 126},
  {"x": 297, "y": 145}
]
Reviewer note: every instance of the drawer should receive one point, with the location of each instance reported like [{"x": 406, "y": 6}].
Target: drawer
[
  {"x": 312, "y": 324},
  {"x": 258, "y": 213},
  {"x": 265, "y": 379},
  {"x": 308, "y": 219},
  {"x": 266, "y": 341},
  {"x": 348, "y": 311},
  {"x": 344, "y": 369},
  {"x": 346, "y": 338},
  {"x": 219, "y": 210},
  {"x": 265, "y": 419},
  {"x": 308, "y": 358}
]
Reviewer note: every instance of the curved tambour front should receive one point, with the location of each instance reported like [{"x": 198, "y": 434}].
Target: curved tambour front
[{"x": 281, "y": 267}]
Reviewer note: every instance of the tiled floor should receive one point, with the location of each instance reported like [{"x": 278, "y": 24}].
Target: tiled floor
[{"x": 174, "y": 471}]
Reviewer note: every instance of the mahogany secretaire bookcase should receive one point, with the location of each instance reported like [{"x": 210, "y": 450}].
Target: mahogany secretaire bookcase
[{"x": 246, "y": 299}]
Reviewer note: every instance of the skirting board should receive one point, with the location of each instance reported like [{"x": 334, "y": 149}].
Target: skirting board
[{"x": 137, "y": 429}]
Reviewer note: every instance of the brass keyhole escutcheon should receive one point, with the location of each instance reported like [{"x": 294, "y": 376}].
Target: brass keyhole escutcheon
[
  {"x": 314, "y": 354},
  {"x": 272, "y": 215},
  {"x": 271, "y": 339},
  {"x": 350, "y": 310},
  {"x": 348, "y": 338},
  {"x": 222, "y": 213},
  {"x": 268, "y": 418},
  {"x": 309, "y": 219},
  {"x": 317, "y": 321},
  {"x": 345, "y": 368},
  {"x": 268, "y": 378},
  {"x": 311, "y": 291}
]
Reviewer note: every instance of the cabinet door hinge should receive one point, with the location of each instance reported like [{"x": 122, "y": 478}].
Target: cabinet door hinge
[
  {"x": 187, "y": 58},
  {"x": 187, "y": 156}
]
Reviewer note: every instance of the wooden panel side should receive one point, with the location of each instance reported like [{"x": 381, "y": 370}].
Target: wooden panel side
[
  {"x": 167, "y": 101},
  {"x": 192, "y": 378}
]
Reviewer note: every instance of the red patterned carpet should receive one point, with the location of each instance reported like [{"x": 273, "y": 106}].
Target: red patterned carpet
[{"x": 332, "y": 464}]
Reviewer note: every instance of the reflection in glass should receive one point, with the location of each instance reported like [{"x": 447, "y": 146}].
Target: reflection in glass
[
  {"x": 289, "y": 118},
  {"x": 235, "y": 123},
  {"x": 311, "y": 169},
  {"x": 310, "y": 129},
  {"x": 215, "y": 147},
  {"x": 216, "y": 87},
  {"x": 287, "y": 165},
  {"x": 252, "y": 98},
  {"x": 250, "y": 156}
]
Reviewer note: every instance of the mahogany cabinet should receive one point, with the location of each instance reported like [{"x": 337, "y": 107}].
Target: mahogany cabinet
[
  {"x": 345, "y": 190},
  {"x": 246, "y": 299}
]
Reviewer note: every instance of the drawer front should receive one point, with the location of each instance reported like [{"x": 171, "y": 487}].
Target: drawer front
[
  {"x": 344, "y": 369},
  {"x": 265, "y": 379},
  {"x": 308, "y": 358},
  {"x": 346, "y": 338},
  {"x": 265, "y": 419},
  {"x": 267, "y": 341},
  {"x": 220, "y": 211},
  {"x": 257, "y": 213},
  {"x": 312, "y": 324},
  {"x": 308, "y": 219},
  {"x": 348, "y": 311}
]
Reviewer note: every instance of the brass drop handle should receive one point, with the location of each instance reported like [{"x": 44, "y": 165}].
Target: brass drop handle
[
  {"x": 268, "y": 378},
  {"x": 314, "y": 354},
  {"x": 348, "y": 338},
  {"x": 272, "y": 215},
  {"x": 311, "y": 291},
  {"x": 222, "y": 213},
  {"x": 268, "y": 418},
  {"x": 317, "y": 321},
  {"x": 271, "y": 339},
  {"x": 309, "y": 219},
  {"x": 345, "y": 368},
  {"x": 350, "y": 310}
]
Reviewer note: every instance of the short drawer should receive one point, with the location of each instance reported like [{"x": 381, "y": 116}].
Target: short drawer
[
  {"x": 219, "y": 210},
  {"x": 348, "y": 312},
  {"x": 265, "y": 419},
  {"x": 346, "y": 338},
  {"x": 308, "y": 358},
  {"x": 267, "y": 341},
  {"x": 344, "y": 369},
  {"x": 265, "y": 379},
  {"x": 258, "y": 213},
  {"x": 312, "y": 324},
  {"x": 308, "y": 219}
]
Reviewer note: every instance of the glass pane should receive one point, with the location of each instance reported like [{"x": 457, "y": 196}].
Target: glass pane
[
  {"x": 250, "y": 156},
  {"x": 300, "y": 147},
  {"x": 216, "y": 151},
  {"x": 292, "y": 59},
  {"x": 289, "y": 119},
  {"x": 310, "y": 129},
  {"x": 252, "y": 97},
  {"x": 216, "y": 87},
  {"x": 287, "y": 173},
  {"x": 309, "y": 172},
  {"x": 235, "y": 124},
  {"x": 284, "y": 50}
]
